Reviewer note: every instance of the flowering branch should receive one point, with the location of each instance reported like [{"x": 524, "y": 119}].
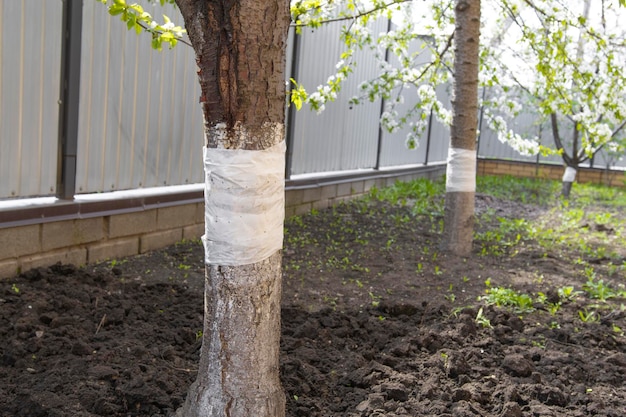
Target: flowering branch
[{"x": 139, "y": 20}]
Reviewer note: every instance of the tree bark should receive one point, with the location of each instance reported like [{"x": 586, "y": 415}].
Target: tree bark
[
  {"x": 240, "y": 51},
  {"x": 239, "y": 369},
  {"x": 459, "y": 203}
]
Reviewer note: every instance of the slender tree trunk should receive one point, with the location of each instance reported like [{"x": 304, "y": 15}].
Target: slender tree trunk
[
  {"x": 572, "y": 163},
  {"x": 240, "y": 51},
  {"x": 461, "y": 173}
]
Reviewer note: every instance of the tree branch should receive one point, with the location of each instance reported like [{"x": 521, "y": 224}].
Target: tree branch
[
  {"x": 618, "y": 129},
  {"x": 356, "y": 16},
  {"x": 557, "y": 139}
]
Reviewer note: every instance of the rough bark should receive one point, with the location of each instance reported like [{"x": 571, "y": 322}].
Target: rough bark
[
  {"x": 566, "y": 189},
  {"x": 459, "y": 205},
  {"x": 240, "y": 52},
  {"x": 239, "y": 369}
]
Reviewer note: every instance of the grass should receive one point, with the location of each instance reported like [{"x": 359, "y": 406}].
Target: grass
[
  {"x": 423, "y": 195},
  {"x": 506, "y": 297},
  {"x": 588, "y": 227},
  {"x": 525, "y": 190}
]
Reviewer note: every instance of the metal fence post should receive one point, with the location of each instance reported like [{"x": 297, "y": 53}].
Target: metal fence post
[
  {"x": 379, "y": 146},
  {"x": 69, "y": 98},
  {"x": 291, "y": 110},
  {"x": 428, "y": 136}
]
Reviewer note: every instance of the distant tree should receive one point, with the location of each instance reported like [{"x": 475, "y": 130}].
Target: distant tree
[
  {"x": 568, "y": 60},
  {"x": 446, "y": 25},
  {"x": 574, "y": 53},
  {"x": 458, "y": 220},
  {"x": 240, "y": 52}
]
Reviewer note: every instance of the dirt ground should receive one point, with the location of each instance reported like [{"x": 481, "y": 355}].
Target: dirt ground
[{"x": 376, "y": 322}]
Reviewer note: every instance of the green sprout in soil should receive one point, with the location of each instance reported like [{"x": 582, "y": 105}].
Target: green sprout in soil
[
  {"x": 501, "y": 240},
  {"x": 552, "y": 307},
  {"x": 541, "y": 343},
  {"x": 568, "y": 293},
  {"x": 507, "y": 297},
  {"x": 375, "y": 299},
  {"x": 113, "y": 263},
  {"x": 332, "y": 301},
  {"x": 597, "y": 288},
  {"x": 588, "y": 316},
  {"x": 482, "y": 320}
]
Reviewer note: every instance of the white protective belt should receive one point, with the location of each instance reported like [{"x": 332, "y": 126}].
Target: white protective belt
[
  {"x": 461, "y": 170},
  {"x": 570, "y": 174},
  {"x": 244, "y": 204}
]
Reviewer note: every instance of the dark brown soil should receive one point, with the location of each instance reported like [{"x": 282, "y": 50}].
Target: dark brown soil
[{"x": 376, "y": 322}]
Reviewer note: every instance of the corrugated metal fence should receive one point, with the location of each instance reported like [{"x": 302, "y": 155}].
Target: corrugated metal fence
[
  {"x": 139, "y": 122},
  {"x": 30, "y": 63}
]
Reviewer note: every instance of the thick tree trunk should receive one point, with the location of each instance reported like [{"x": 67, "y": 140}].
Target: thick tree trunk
[
  {"x": 239, "y": 369},
  {"x": 461, "y": 173},
  {"x": 240, "y": 51}
]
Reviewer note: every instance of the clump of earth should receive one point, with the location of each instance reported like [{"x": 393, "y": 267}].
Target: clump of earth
[{"x": 376, "y": 321}]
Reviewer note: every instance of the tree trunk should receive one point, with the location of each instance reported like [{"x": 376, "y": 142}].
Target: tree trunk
[
  {"x": 569, "y": 176},
  {"x": 572, "y": 163},
  {"x": 240, "y": 51},
  {"x": 461, "y": 173}
]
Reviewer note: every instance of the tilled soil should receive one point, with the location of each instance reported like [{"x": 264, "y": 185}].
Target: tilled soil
[{"x": 376, "y": 322}]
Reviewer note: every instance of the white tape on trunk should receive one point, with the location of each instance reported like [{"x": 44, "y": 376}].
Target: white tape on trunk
[
  {"x": 244, "y": 204},
  {"x": 461, "y": 170},
  {"x": 569, "y": 175}
]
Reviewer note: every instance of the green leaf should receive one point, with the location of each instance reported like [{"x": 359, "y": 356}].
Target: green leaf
[{"x": 116, "y": 10}]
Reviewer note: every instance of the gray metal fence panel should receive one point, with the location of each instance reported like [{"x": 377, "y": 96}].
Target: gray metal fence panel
[
  {"x": 433, "y": 145},
  {"x": 342, "y": 137},
  {"x": 440, "y": 133},
  {"x": 491, "y": 147},
  {"x": 141, "y": 124},
  {"x": 394, "y": 150},
  {"x": 30, "y": 54}
]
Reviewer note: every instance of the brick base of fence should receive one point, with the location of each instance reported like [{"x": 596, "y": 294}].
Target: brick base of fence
[
  {"x": 93, "y": 239},
  {"x": 552, "y": 172},
  {"x": 81, "y": 233}
]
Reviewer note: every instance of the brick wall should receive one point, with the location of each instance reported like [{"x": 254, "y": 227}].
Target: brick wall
[
  {"x": 80, "y": 241},
  {"x": 300, "y": 197},
  {"x": 552, "y": 172},
  {"x": 88, "y": 233}
]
